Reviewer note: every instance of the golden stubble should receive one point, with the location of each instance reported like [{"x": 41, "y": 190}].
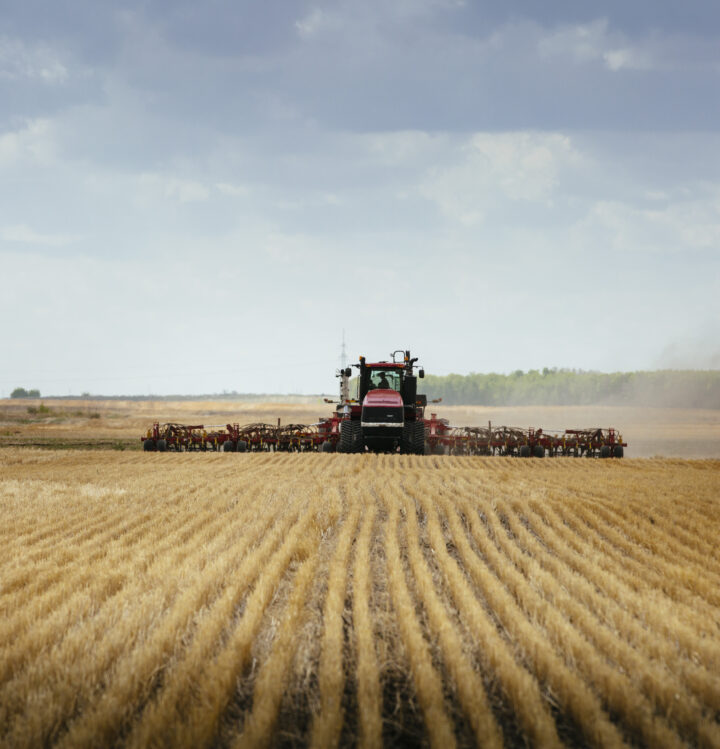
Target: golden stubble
[{"x": 224, "y": 599}]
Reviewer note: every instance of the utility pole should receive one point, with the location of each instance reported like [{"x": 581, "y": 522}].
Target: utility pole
[
  {"x": 343, "y": 352},
  {"x": 344, "y": 380}
]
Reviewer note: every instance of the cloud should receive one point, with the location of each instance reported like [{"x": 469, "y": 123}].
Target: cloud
[
  {"x": 234, "y": 191},
  {"x": 678, "y": 226},
  {"x": 35, "y": 142},
  {"x": 594, "y": 42},
  {"x": 23, "y": 234},
  {"x": 20, "y": 60},
  {"x": 628, "y": 58},
  {"x": 617, "y": 50},
  {"x": 404, "y": 148},
  {"x": 311, "y": 23},
  {"x": 493, "y": 167},
  {"x": 175, "y": 188}
]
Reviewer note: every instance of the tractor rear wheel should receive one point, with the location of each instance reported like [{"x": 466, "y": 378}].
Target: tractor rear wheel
[{"x": 149, "y": 445}]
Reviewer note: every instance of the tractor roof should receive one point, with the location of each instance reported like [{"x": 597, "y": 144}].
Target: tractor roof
[{"x": 385, "y": 365}]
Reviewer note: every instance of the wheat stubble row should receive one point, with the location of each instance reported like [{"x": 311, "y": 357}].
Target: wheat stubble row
[{"x": 246, "y": 600}]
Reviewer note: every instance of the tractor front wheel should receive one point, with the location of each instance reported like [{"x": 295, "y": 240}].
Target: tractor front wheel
[
  {"x": 347, "y": 434},
  {"x": 419, "y": 437}
]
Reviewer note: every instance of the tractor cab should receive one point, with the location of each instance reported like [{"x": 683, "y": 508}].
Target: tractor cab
[
  {"x": 397, "y": 375},
  {"x": 379, "y": 376},
  {"x": 384, "y": 379}
]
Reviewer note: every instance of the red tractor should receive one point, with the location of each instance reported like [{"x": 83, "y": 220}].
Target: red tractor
[{"x": 387, "y": 413}]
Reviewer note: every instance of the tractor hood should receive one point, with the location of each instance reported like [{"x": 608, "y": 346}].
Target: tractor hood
[{"x": 383, "y": 398}]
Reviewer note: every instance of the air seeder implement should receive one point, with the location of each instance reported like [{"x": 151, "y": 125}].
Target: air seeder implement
[{"x": 380, "y": 410}]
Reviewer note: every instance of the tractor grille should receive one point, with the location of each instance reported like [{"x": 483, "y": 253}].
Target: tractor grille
[{"x": 382, "y": 415}]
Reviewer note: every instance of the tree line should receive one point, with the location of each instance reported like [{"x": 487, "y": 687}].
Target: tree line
[
  {"x": 564, "y": 387},
  {"x": 22, "y": 393}
]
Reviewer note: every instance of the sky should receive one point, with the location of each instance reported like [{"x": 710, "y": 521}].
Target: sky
[{"x": 198, "y": 197}]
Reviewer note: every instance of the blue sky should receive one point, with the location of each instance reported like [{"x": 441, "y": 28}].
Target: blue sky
[{"x": 202, "y": 196}]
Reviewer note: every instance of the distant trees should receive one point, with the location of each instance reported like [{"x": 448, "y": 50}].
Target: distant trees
[
  {"x": 22, "y": 393},
  {"x": 565, "y": 387}
]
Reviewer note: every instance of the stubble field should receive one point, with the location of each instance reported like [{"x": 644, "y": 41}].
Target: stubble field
[{"x": 241, "y": 600}]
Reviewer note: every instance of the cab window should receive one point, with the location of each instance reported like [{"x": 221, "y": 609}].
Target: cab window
[{"x": 383, "y": 379}]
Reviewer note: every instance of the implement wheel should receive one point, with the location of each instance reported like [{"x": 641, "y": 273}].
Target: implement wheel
[
  {"x": 327, "y": 447},
  {"x": 241, "y": 446},
  {"x": 538, "y": 451},
  {"x": 229, "y": 446},
  {"x": 618, "y": 451},
  {"x": 149, "y": 446},
  {"x": 605, "y": 451},
  {"x": 524, "y": 451},
  {"x": 161, "y": 446}
]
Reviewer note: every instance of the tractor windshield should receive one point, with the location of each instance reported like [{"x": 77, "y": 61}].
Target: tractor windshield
[{"x": 381, "y": 379}]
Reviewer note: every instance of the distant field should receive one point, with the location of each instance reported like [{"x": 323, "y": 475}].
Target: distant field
[
  {"x": 689, "y": 433},
  {"x": 240, "y": 600}
]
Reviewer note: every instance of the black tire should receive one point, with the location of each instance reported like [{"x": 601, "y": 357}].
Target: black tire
[
  {"x": 161, "y": 446},
  {"x": 618, "y": 451},
  {"x": 406, "y": 443},
  {"x": 241, "y": 446},
  {"x": 149, "y": 446},
  {"x": 419, "y": 437},
  {"x": 347, "y": 434},
  {"x": 327, "y": 447},
  {"x": 358, "y": 445},
  {"x": 524, "y": 451},
  {"x": 538, "y": 451},
  {"x": 228, "y": 446},
  {"x": 605, "y": 451}
]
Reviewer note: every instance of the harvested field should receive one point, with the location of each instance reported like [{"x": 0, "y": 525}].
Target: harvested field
[{"x": 240, "y": 600}]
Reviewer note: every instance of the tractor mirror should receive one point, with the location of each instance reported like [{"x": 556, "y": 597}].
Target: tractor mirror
[{"x": 421, "y": 373}]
